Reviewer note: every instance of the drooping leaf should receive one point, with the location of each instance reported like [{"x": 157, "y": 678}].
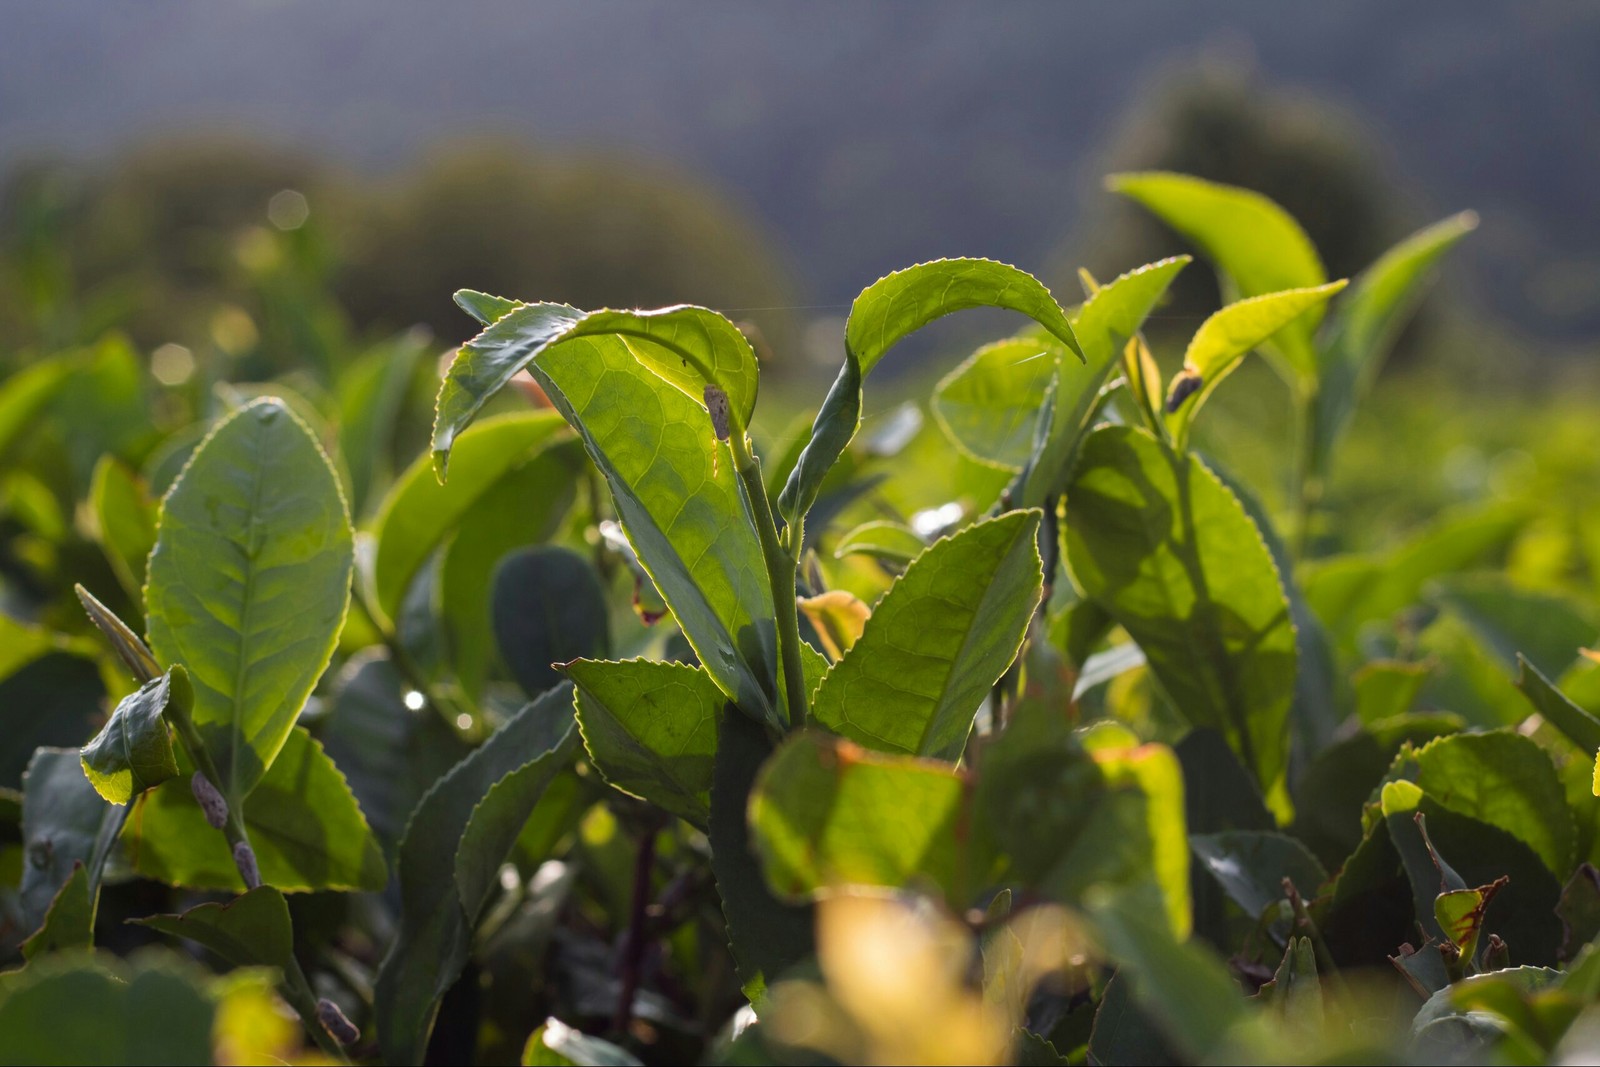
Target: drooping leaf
[
  {"x": 687, "y": 347},
  {"x": 1224, "y": 339},
  {"x": 883, "y": 540},
  {"x": 1369, "y": 320},
  {"x": 78, "y": 1008},
  {"x": 1106, "y": 322},
  {"x": 937, "y": 641},
  {"x": 1156, "y": 540},
  {"x": 674, "y": 487},
  {"x": 1256, "y": 246},
  {"x": 418, "y": 513},
  {"x": 768, "y": 936},
  {"x": 1251, "y": 866},
  {"x": 304, "y": 824},
  {"x": 888, "y": 310},
  {"x": 838, "y": 616},
  {"x": 134, "y": 750},
  {"x": 549, "y": 608},
  {"x": 495, "y": 787},
  {"x": 250, "y": 930},
  {"x": 651, "y": 730},
  {"x": 65, "y": 826},
  {"x": 989, "y": 404},
  {"x": 125, "y": 520},
  {"x": 249, "y": 583},
  {"x": 523, "y": 509}
]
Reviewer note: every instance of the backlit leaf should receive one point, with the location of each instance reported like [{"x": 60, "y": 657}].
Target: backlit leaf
[{"x": 133, "y": 752}]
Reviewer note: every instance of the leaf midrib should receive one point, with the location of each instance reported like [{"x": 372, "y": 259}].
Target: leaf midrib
[{"x": 242, "y": 665}]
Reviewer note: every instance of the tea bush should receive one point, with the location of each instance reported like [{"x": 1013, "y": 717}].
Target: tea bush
[{"x": 1021, "y": 733}]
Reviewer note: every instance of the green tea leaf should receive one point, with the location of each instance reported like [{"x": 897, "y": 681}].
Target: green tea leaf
[
  {"x": 1579, "y": 910},
  {"x": 1181, "y": 985},
  {"x": 1156, "y": 540},
  {"x": 456, "y": 833},
  {"x": 65, "y": 826},
  {"x": 1379, "y": 304},
  {"x": 250, "y": 930},
  {"x": 1110, "y": 318},
  {"x": 1544, "y": 628},
  {"x": 25, "y": 394},
  {"x": 54, "y": 700},
  {"x": 768, "y": 936},
  {"x": 1224, "y": 339},
  {"x": 651, "y": 730},
  {"x": 133, "y": 752},
  {"x": 888, "y": 310},
  {"x": 1256, "y": 245},
  {"x": 418, "y": 513},
  {"x": 937, "y": 641},
  {"x": 249, "y": 583},
  {"x": 1580, "y": 727},
  {"x": 549, "y": 607},
  {"x": 81, "y": 1008},
  {"x": 1502, "y": 779},
  {"x": 125, "y": 520},
  {"x": 881, "y": 539},
  {"x": 988, "y": 406},
  {"x": 522, "y": 509},
  {"x": 69, "y": 921},
  {"x": 1460, "y": 914},
  {"x": 688, "y": 347},
  {"x": 1251, "y": 866},
  {"x": 304, "y": 824},
  {"x": 820, "y": 815},
  {"x": 676, "y": 493},
  {"x": 556, "y": 1044},
  {"x": 372, "y": 393}
]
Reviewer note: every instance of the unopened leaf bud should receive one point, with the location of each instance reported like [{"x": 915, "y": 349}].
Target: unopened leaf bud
[
  {"x": 337, "y": 1023},
  {"x": 717, "y": 404},
  {"x": 210, "y": 801},
  {"x": 244, "y": 858}
]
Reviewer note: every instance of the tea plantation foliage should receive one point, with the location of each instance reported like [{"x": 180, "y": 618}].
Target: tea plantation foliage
[{"x": 1024, "y": 732}]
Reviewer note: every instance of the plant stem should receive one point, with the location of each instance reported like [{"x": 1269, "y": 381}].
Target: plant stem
[
  {"x": 634, "y": 940},
  {"x": 781, "y": 567},
  {"x": 296, "y": 989}
]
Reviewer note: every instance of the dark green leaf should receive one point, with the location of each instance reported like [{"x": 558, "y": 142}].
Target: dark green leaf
[
  {"x": 53, "y": 700},
  {"x": 65, "y": 825},
  {"x": 1582, "y": 728},
  {"x": 1157, "y": 540},
  {"x": 304, "y": 824},
  {"x": 69, "y": 921},
  {"x": 125, "y": 521},
  {"x": 651, "y": 730},
  {"x": 250, "y": 930},
  {"x": 1545, "y": 629},
  {"x": 767, "y": 935},
  {"x": 1251, "y": 866},
  {"x": 548, "y": 608},
  {"x": 1125, "y": 1035},
  {"x": 78, "y": 1009},
  {"x": 1387, "y": 688},
  {"x": 937, "y": 641},
  {"x": 372, "y": 394},
  {"x": 675, "y": 490},
  {"x": 249, "y": 583},
  {"x": 890, "y": 308},
  {"x": 418, "y": 513},
  {"x": 1579, "y": 910},
  {"x": 133, "y": 752},
  {"x": 524, "y": 508},
  {"x": 458, "y": 833}
]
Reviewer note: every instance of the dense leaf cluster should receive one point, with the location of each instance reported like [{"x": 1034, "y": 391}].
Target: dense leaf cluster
[{"x": 1022, "y": 735}]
